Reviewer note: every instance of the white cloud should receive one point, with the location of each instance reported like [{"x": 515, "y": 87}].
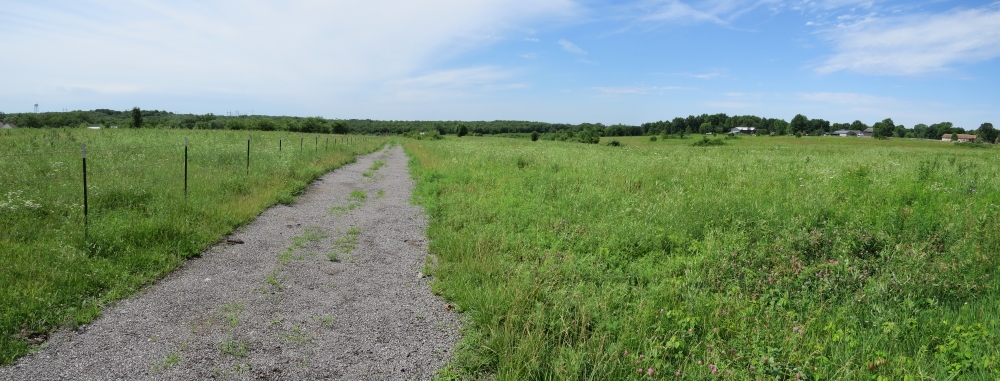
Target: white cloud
[
  {"x": 450, "y": 84},
  {"x": 571, "y": 47},
  {"x": 847, "y": 98},
  {"x": 912, "y": 45},
  {"x": 457, "y": 78},
  {"x": 674, "y": 10},
  {"x": 296, "y": 52},
  {"x": 530, "y": 39},
  {"x": 640, "y": 90}
]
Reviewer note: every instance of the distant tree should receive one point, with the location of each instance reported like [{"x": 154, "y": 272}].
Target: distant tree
[
  {"x": 900, "y": 131},
  {"x": 799, "y": 123},
  {"x": 534, "y": 136},
  {"x": 954, "y": 137},
  {"x": 879, "y": 130},
  {"x": 859, "y": 125},
  {"x": 987, "y": 132},
  {"x": 314, "y": 124},
  {"x": 706, "y": 128},
  {"x": 798, "y": 134},
  {"x": 136, "y": 117},
  {"x": 339, "y": 127},
  {"x": 462, "y": 130}
]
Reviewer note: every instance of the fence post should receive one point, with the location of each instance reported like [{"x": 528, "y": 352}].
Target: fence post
[
  {"x": 316, "y": 147},
  {"x": 248, "y": 154},
  {"x": 279, "y": 143},
  {"x": 301, "y": 142},
  {"x": 185, "y": 168},
  {"x": 327, "y": 147},
  {"x": 86, "y": 221}
]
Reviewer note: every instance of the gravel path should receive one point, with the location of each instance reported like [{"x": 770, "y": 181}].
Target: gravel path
[{"x": 275, "y": 306}]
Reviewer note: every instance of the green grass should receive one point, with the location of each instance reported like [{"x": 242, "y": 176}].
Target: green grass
[
  {"x": 766, "y": 258},
  {"x": 345, "y": 244},
  {"x": 355, "y": 199},
  {"x": 375, "y": 166},
  {"x": 140, "y": 224}
]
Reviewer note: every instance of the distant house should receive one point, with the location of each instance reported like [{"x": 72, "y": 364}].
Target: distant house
[
  {"x": 846, "y": 133},
  {"x": 94, "y": 127},
  {"x": 7, "y": 125},
  {"x": 961, "y": 138},
  {"x": 743, "y": 130},
  {"x": 867, "y": 132}
]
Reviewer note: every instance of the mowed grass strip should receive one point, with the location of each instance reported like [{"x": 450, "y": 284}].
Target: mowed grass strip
[
  {"x": 766, "y": 258},
  {"x": 140, "y": 226}
]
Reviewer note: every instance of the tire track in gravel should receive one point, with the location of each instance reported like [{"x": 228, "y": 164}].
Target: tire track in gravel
[{"x": 276, "y": 307}]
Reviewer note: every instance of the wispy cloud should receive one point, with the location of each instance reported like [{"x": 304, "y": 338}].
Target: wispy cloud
[
  {"x": 913, "y": 45},
  {"x": 571, "y": 47},
  {"x": 640, "y": 90},
  {"x": 846, "y": 98},
  {"x": 531, "y": 39},
  {"x": 318, "y": 53},
  {"x": 708, "y": 75},
  {"x": 452, "y": 83}
]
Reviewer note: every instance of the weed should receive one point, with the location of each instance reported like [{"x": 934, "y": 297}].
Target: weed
[
  {"x": 171, "y": 359},
  {"x": 345, "y": 244},
  {"x": 356, "y": 198},
  {"x": 375, "y": 166},
  {"x": 232, "y": 314},
  {"x": 380, "y": 194},
  {"x": 297, "y": 335},
  {"x": 235, "y": 348}
]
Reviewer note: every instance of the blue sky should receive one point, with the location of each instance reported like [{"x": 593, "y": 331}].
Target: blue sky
[{"x": 546, "y": 60}]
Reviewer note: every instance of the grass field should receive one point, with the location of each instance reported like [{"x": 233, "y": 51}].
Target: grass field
[
  {"x": 767, "y": 258},
  {"x": 55, "y": 271}
]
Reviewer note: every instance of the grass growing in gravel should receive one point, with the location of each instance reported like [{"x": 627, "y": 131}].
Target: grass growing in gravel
[
  {"x": 235, "y": 348},
  {"x": 375, "y": 166},
  {"x": 766, "y": 258},
  {"x": 355, "y": 200},
  {"x": 310, "y": 235},
  {"x": 345, "y": 244},
  {"x": 141, "y": 226}
]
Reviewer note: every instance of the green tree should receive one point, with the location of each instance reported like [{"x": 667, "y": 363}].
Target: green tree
[
  {"x": 462, "y": 130},
  {"x": 987, "y": 132},
  {"x": 534, "y": 136},
  {"x": 136, "y": 117},
  {"x": 314, "y": 124},
  {"x": 706, "y": 128},
  {"x": 339, "y": 127},
  {"x": 799, "y": 124},
  {"x": 954, "y": 137}
]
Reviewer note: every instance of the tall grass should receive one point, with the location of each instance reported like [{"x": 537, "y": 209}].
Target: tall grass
[
  {"x": 767, "y": 258},
  {"x": 56, "y": 271}
]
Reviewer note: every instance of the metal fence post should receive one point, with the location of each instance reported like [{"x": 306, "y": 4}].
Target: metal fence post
[
  {"x": 86, "y": 221},
  {"x": 185, "y": 168},
  {"x": 248, "y": 154}
]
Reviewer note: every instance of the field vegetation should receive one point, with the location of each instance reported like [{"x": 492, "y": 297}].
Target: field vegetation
[
  {"x": 56, "y": 270},
  {"x": 775, "y": 258}
]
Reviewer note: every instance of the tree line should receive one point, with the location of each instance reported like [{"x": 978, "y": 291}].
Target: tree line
[{"x": 584, "y": 132}]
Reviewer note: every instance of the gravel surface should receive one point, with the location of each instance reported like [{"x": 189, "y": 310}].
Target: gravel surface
[{"x": 269, "y": 303}]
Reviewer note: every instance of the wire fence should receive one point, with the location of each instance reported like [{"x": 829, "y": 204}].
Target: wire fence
[{"x": 101, "y": 178}]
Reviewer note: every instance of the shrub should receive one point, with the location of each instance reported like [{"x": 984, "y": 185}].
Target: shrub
[
  {"x": 614, "y": 143},
  {"x": 706, "y": 142},
  {"x": 534, "y": 136},
  {"x": 652, "y": 138}
]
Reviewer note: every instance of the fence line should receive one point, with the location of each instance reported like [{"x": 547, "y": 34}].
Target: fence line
[{"x": 161, "y": 160}]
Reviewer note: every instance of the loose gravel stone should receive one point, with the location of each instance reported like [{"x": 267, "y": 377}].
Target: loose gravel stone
[{"x": 269, "y": 303}]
